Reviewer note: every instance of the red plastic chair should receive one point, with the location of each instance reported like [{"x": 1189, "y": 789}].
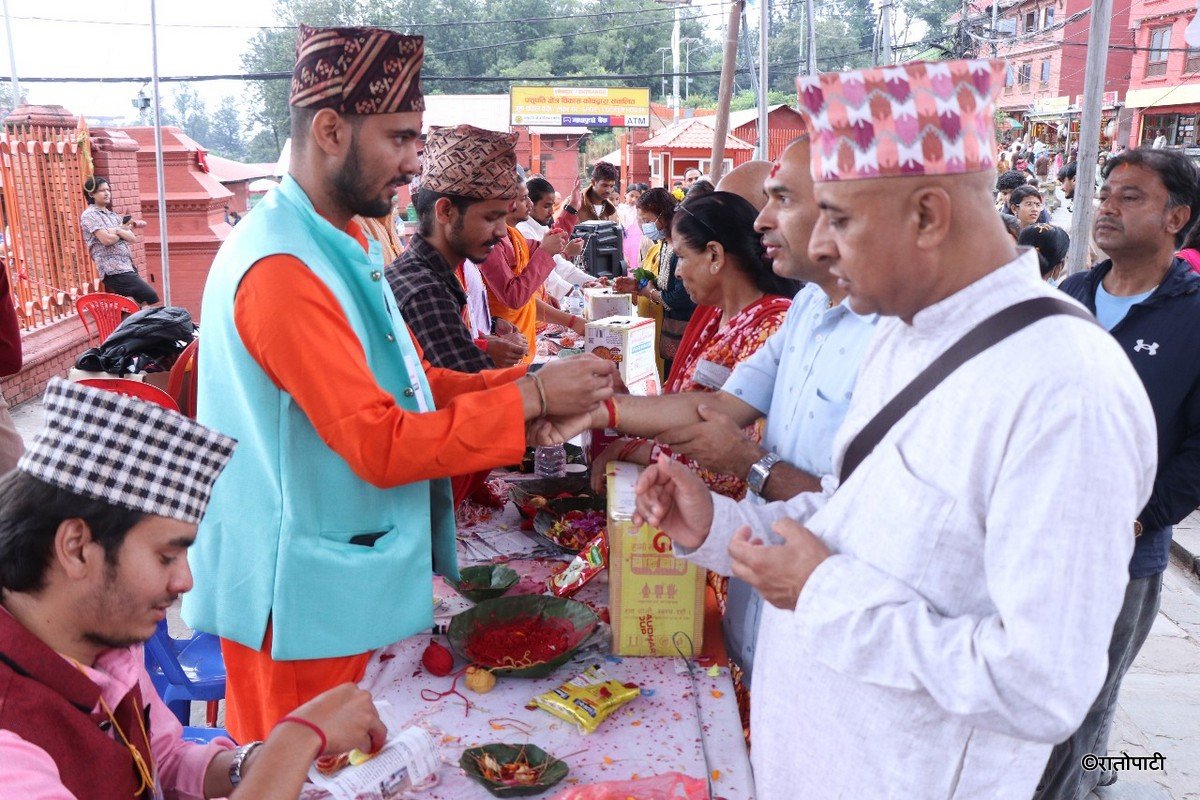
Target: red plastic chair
[
  {"x": 142, "y": 391},
  {"x": 182, "y": 382},
  {"x": 105, "y": 312}
]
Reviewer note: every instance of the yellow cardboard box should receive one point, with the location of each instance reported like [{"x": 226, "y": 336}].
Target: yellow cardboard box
[{"x": 651, "y": 594}]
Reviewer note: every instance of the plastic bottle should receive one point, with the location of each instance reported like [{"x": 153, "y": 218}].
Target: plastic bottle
[
  {"x": 550, "y": 461},
  {"x": 574, "y": 303}
]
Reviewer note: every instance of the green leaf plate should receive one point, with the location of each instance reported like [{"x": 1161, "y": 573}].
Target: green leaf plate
[
  {"x": 555, "y": 769},
  {"x": 484, "y": 582}
]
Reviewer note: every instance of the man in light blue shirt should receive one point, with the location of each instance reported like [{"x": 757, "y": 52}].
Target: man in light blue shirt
[{"x": 801, "y": 378}]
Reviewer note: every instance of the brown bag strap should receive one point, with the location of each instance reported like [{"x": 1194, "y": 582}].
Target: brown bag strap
[{"x": 992, "y": 330}]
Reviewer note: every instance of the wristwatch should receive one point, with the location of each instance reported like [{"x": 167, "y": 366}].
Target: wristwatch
[
  {"x": 239, "y": 760},
  {"x": 759, "y": 472}
]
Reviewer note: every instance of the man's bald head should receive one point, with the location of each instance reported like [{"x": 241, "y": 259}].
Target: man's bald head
[{"x": 747, "y": 181}]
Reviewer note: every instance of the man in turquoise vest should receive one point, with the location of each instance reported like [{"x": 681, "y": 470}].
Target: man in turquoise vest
[{"x": 325, "y": 531}]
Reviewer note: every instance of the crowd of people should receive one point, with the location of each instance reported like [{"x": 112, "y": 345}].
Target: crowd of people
[{"x": 891, "y": 429}]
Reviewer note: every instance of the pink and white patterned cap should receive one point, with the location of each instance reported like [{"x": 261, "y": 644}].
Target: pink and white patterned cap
[{"x": 920, "y": 118}]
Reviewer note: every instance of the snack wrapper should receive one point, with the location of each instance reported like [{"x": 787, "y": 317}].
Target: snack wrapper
[
  {"x": 587, "y": 699},
  {"x": 589, "y": 563}
]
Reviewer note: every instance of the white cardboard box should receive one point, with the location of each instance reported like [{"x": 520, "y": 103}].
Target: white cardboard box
[
  {"x": 628, "y": 341},
  {"x": 603, "y": 301}
]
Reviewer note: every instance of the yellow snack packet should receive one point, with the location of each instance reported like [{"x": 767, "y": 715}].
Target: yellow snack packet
[{"x": 587, "y": 699}]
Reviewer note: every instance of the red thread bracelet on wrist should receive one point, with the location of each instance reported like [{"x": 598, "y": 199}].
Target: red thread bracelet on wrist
[
  {"x": 311, "y": 726},
  {"x": 611, "y": 406}
]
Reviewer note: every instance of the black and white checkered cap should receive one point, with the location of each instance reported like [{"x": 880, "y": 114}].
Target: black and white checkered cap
[{"x": 126, "y": 452}]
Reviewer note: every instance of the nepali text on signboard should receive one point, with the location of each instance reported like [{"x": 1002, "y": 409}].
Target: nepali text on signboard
[{"x": 592, "y": 107}]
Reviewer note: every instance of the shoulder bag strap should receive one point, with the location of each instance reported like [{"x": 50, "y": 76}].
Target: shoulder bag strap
[{"x": 994, "y": 329}]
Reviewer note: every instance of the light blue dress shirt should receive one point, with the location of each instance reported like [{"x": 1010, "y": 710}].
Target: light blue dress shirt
[{"x": 802, "y": 379}]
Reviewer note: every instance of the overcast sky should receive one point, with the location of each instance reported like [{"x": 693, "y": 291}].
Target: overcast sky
[{"x": 96, "y": 47}]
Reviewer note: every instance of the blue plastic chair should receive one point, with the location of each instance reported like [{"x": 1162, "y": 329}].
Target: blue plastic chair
[
  {"x": 203, "y": 735},
  {"x": 186, "y": 670}
]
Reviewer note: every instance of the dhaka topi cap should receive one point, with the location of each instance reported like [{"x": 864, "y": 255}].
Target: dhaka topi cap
[
  {"x": 920, "y": 118},
  {"x": 470, "y": 162},
  {"x": 358, "y": 70},
  {"x": 126, "y": 452}
]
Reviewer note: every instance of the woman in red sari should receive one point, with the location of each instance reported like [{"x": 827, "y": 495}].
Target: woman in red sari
[{"x": 741, "y": 302}]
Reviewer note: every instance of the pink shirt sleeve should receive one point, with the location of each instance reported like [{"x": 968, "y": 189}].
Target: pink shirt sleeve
[
  {"x": 29, "y": 772},
  {"x": 181, "y": 765}
]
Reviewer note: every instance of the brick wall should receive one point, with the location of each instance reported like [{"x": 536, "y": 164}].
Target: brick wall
[{"x": 48, "y": 351}]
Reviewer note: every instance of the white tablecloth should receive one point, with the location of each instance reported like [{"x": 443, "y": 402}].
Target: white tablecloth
[{"x": 657, "y": 732}]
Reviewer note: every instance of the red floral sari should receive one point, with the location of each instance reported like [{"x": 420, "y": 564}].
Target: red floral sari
[{"x": 706, "y": 340}]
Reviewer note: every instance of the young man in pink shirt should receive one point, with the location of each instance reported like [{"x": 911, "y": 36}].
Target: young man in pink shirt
[{"x": 95, "y": 524}]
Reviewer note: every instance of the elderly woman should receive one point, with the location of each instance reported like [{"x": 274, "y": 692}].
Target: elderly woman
[
  {"x": 108, "y": 236},
  {"x": 740, "y": 303},
  {"x": 665, "y": 299}
]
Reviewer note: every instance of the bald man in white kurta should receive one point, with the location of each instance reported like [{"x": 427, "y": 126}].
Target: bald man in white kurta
[{"x": 961, "y": 626}]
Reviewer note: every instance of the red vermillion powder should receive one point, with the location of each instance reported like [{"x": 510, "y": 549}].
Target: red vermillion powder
[{"x": 520, "y": 642}]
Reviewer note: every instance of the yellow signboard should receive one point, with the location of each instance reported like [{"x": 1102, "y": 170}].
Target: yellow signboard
[{"x": 591, "y": 106}]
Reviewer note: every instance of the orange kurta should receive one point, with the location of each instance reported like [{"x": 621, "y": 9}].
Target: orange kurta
[
  {"x": 514, "y": 257},
  {"x": 293, "y": 326}
]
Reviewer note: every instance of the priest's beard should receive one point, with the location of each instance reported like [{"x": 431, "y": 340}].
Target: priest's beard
[{"x": 353, "y": 190}]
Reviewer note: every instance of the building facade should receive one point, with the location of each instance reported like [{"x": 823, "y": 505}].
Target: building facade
[
  {"x": 1164, "y": 83},
  {"x": 1045, "y": 44}
]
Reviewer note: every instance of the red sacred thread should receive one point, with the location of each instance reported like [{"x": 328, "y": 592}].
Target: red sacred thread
[{"x": 432, "y": 696}]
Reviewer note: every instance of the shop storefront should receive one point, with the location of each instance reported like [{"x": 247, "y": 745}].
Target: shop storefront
[{"x": 1175, "y": 114}]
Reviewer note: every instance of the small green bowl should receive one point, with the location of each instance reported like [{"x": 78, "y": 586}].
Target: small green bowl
[
  {"x": 487, "y": 582},
  {"x": 554, "y": 771}
]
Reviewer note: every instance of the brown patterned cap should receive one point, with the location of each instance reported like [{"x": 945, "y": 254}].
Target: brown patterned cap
[
  {"x": 358, "y": 70},
  {"x": 470, "y": 162}
]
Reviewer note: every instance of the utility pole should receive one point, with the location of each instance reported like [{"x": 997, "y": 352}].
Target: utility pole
[
  {"x": 1089, "y": 135},
  {"x": 811, "y": 32},
  {"x": 764, "y": 82},
  {"x": 995, "y": 23},
  {"x": 725, "y": 93},
  {"x": 158, "y": 159},
  {"x": 885, "y": 22},
  {"x": 963, "y": 37},
  {"x": 754, "y": 84},
  {"x": 12, "y": 59},
  {"x": 675, "y": 64},
  {"x": 664, "y": 51}
]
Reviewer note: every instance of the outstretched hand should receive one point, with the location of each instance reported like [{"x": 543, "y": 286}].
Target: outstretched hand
[
  {"x": 673, "y": 499},
  {"x": 576, "y": 385}
]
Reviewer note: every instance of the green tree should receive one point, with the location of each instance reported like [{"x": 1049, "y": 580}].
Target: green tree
[
  {"x": 6, "y": 103},
  {"x": 187, "y": 111},
  {"x": 471, "y": 38},
  {"x": 225, "y": 131},
  {"x": 262, "y": 147}
]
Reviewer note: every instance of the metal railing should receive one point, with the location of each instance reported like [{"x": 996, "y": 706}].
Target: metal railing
[{"x": 42, "y": 170}]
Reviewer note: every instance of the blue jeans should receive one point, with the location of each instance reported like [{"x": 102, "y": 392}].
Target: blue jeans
[{"x": 1064, "y": 778}]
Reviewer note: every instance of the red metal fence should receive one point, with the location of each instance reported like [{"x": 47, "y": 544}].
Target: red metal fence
[{"x": 42, "y": 170}]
